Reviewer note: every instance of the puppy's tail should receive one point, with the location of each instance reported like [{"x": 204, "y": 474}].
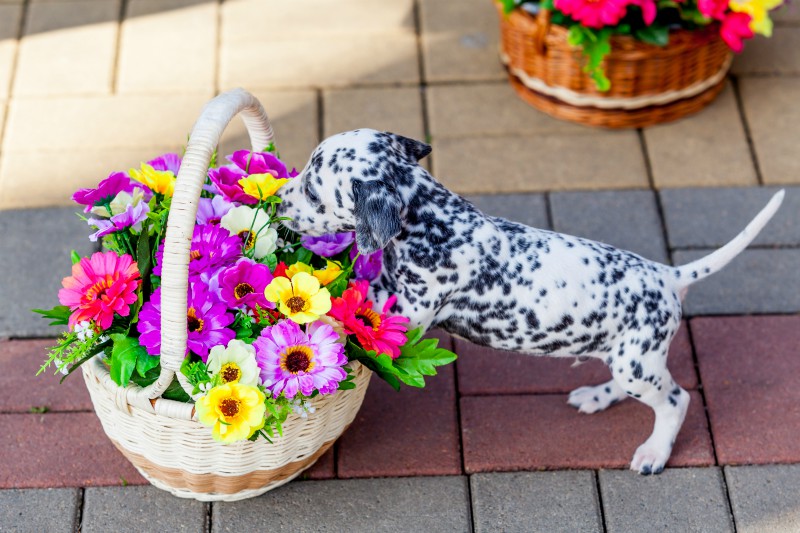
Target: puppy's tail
[{"x": 715, "y": 261}]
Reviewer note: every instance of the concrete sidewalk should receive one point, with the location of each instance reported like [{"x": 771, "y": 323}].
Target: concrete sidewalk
[{"x": 92, "y": 86}]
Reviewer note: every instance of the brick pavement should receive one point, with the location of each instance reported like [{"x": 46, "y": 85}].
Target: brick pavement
[{"x": 427, "y": 69}]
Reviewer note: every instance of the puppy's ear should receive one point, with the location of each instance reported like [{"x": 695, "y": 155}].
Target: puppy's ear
[
  {"x": 377, "y": 213},
  {"x": 414, "y": 150}
]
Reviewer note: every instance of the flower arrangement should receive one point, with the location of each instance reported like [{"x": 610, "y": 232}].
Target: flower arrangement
[
  {"x": 592, "y": 23},
  {"x": 274, "y": 319}
]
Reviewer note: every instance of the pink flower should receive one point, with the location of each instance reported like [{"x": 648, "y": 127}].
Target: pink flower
[
  {"x": 649, "y": 10},
  {"x": 735, "y": 28},
  {"x": 594, "y": 13},
  {"x": 100, "y": 286},
  {"x": 714, "y": 9}
]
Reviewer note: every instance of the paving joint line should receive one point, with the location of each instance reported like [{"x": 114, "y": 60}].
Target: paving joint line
[
  {"x": 728, "y": 497},
  {"x": 648, "y": 165},
  {"x": 79, "y": 510},
  {"x": 548, "y": 210},
  {"x": 218, "y": 47},
  {"x": 737, "y": 93},
  {"x": 320, "y": 101},
  {"x": 209, "y": 510},
  {"x": 23, "y": 22},
  {"x": 123, "y": 7},
  {"x": 600, "y": 507}
]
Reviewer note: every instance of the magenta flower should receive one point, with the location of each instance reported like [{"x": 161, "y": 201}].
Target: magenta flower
[
  {"x": 594, "y": 13},
  {"x": 736, "y": 28},
  {"x": 328, "y": 245},
  {"x": 213, "y": 247},
  {"x": 106, "y": 191},
  {"x": 293, "y": 361},
  {"x": 211, "y": 210},
  {"x": 369, "y": 266},
  {"x": 132, "y": 217},
  {"x": 169, "y": 162},
  {"x": 259, "y": 163},
  {"x": 226, "y": 179},
  {"x": 243, "y": 284},
  {"x": 206, "y": 320},
  {"x": 714, "y": 9}
]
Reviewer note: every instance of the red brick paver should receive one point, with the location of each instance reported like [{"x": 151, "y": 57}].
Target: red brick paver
[
  {"x": 534, "y": 432},
  {"x": 485, "y": 371},
  {"x": 750, "y": 367},
  {"x": 23, "y": 389},
  {"x": 324, "y": 468},
  {"x": 60, "y": 450}
]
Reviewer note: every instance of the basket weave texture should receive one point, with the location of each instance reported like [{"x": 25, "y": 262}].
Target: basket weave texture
[
  {"x": 649, "y": 84},
  {"x": 161, "y": 437}
]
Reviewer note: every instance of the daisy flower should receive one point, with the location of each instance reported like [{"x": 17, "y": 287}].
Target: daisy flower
[
  {"x": 259, "y": 163},
  {"x": 301, "y": 298},
  {"x": 594, "y": 13},
  {"x": 233, "y": 411},
  {"x": 252, "y": 227},
  {"x": 226, "y": 180},
  {"x": 106, "y": 192},
  {"x": 213, "y": 247},
  {"x": 132, "y": 217},
  {"x": 242, "y": 285},
  {"x": 207, "y": 322},
  {"x": 211, "y": 210},
  {"x": 235, "y": 363},
  {"x": 293, "y": 361},
  {"x": 374, "y": 331},
  {"x": 99, "y": 287}
]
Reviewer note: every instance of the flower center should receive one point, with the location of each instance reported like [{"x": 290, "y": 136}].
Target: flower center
[
  {"x": 194, "y": 255},
  {"x": 192, "y": 322},
  {"x": 230, "y": 373},
  {"x": 213, "y": 221},
  {"x": 298, "y": 359},
  {"x": 296, "y": 304},
  {"x": 98, "y": 290},
  {"x": 369, "y": 318},
  {"x": 242, "y": 290},
  {"x": 248, "y": 239},
  {"x": 229, "y": 407}
]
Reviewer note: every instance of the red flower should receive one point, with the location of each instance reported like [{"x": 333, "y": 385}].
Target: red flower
[
  {"x": 735, "y": 28},
  {"x": 374, "y": 331},
  {"x": 280, "y": 270}
]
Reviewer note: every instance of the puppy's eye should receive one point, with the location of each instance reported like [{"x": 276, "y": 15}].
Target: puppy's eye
[{"x": 310, "y": 193}]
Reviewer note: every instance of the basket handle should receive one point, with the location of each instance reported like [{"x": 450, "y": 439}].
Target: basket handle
[
  {"x": 215, "y": 116},
  {"x": 542, "y": 29}
]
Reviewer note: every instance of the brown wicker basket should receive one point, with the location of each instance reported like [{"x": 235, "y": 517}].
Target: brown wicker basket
[{"x": 649, "y": 84}]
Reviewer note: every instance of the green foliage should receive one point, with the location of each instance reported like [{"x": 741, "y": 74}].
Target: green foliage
[
  {"x": 125, "y": 358},
  {"x": 596, "y": 45},
  {"x": 196, "y": 373},
  {"x": 656, "y": 34},
  {"x": 71, "y": 352},
  {"x": 59, "y": 315},
  {"x": 75, "y": 257}
]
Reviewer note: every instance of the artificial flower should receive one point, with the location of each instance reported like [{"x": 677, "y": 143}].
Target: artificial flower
[
  {"x": 301, "y": 298},
  {"x": 368, "y": 266},
  {"x": 594, "y": 13},
  {"x": 759, "y": 13},
  {"x": 261, "y": 186},
  {"x": 159, "y": 181},
  {"x": 207, "y": 322},
  {"x": 106, "y": 191},
  {"x": 735, "y": 28},
  {"x": 253, "y": 229},
  {"x": 132, "y": 217},
  {"x": 234, "y": 411},
  {"x": 167, "y": 162},
  {"x": 226, "y": 180},
  {"x": 235, "y": 363},
  {"x": 211, "y": 210},
  {"x": 298, "y": 267},
  {"x": 213, "y": 248},
  {"x": 280, "y": 270},
  {"x": 259, "y": 163},
  {"x": 649, "y": 10},
  {"x": 293, "y": 361},
  {"x": 100, "y": 286},
  {"x": 714, "y": 9},
  {"x": 328, "y": 245},
  {"x": 329, "y": 273},
  {"x": 242, "y": 285},
  {"x": 375, "y": 331}
]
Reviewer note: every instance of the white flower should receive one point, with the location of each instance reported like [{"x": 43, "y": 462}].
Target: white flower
[
  {"x": 302, "y": 408},
  {"x": 240, "y": 220},
  {"x": 84, "y": 330},
  {"x": 234, "y": 364},
  {"x": 120, "y": 203}
]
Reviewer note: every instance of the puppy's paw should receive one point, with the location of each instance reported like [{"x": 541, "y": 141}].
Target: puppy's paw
[
  {"x": 594, "y": 399},
  {"x": 650, "y": 459}
]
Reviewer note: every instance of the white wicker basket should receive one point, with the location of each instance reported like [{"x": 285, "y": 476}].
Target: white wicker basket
[{"x": 161, "y": 437}]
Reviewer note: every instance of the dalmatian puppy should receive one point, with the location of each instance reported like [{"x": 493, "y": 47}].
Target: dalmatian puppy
[{"x": 503, "y": 284}]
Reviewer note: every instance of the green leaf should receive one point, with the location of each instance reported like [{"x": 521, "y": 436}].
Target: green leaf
[
  {"x": 145, "y": 362},
  {"x": 656, "y": 35},
  {"x": 380, "y": 364},
  {"x": 271, "y": 261},
  {"x": 124, "y": 356},
  {"x": 143, "y": 254},
  {"x": 304, "y": 255},
  {"x": 575, "y": 35},
  {"x": 75, "y": 257},
  {"x": 508, "y": 6},
  {"x": 337, "y": 286},
  {"x": 176, "y": 392},
  {"x": 420, "y": 358},
  {"x": 59, "y": 314}
]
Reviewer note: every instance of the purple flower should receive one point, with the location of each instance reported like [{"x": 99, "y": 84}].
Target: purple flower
[
  {"x": 206, "y": 320},
  {"x": 226, "y": 179},
  {"x": 213, "y": 247},
  {"x": 106, "y": 191},
  {"x": 259, "y": 163},
  {"x": 369, "y": 266},
  {"x": 293, "y": 361},
  {"x": 328, "y": 245},
  {"x": 211, "y": 210},
  {"x": 243, "y": 284},
  {"x": 132, "y": 217},
  {"x": 170, "y": 162}
]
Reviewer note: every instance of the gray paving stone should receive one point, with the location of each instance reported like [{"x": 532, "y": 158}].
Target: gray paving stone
[
  {"x": 34, "y": 258},
  {"x": 757, "y": 281},
  {"x": 764, "y": 498},
  {"x": 530, "y": 209},
  {"x": 140, "y": 509},
  {"x": 26, "y": 510},
  {"x": 535, "y": 501},
  {"x": 678, "y": 499},
  {"x": 625, "y": 219},
  {"x": 709, "y": 218},
  {"x": 430, "y": 504}
]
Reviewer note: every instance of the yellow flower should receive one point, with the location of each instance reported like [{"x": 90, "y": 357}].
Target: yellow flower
[
  {"x": 233, "y": 411},
  {"x": 299, "y": 267},
  {"x": 759, "y": 13},
  {"x": 261, "y": 186},
  {"x": 329, "y": 273},
  {"x": 159, "y": 181},
  {"x": 301, "y": 299}
]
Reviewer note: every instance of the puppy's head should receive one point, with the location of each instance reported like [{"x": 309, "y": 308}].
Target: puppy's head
[{"x": 351, "y": 184}]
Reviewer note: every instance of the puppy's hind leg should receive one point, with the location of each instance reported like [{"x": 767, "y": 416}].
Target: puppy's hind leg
[
  {"x": 594, "y": 399},
  {"x": 646, "y": 378}
]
